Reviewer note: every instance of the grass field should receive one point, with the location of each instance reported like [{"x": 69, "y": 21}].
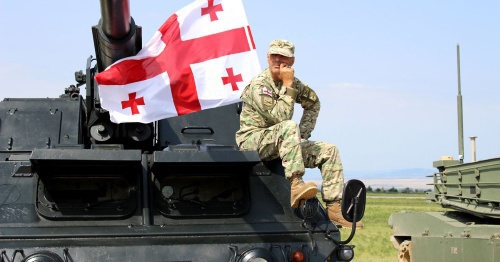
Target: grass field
[{"x": 372, "y": 242}]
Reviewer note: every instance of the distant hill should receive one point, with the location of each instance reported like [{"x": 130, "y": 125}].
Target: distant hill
[
  {"x": 417, "y": 173},
  {"x": 415, "y": 178}
]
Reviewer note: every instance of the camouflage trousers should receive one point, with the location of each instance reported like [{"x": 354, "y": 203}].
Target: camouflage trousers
[{"x": 283, "y": 141}]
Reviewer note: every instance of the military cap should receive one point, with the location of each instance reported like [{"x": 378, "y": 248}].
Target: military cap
[{"x": 281, "y": 47}]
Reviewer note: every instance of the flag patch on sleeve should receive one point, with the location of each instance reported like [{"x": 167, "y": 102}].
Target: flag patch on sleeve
[{"x": 266, "y": 91}]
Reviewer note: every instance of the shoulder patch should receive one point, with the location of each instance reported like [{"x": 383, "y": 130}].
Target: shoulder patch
[{"x": 266, "y": 91}]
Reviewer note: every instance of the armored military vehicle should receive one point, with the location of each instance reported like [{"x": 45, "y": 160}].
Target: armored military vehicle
[
  {"x": 469, "y": 229},
  {"x": 76, "y": 187}
]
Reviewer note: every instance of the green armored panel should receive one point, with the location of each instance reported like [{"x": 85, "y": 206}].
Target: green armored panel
[
  {"x": 448, "y": 249},
  {"x": 471, "y": 187}
]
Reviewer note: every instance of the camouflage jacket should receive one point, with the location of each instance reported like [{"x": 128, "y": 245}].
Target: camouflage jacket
[{"x": 266, "y": 103}]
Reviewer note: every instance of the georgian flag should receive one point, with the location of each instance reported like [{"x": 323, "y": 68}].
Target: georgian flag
[{"x": 201, "y": 57}]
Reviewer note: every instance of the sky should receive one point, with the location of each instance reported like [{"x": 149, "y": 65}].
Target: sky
[{"x": 385, "y": 71}]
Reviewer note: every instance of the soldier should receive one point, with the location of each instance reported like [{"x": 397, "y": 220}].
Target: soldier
[{"x": 266, "y": 127}]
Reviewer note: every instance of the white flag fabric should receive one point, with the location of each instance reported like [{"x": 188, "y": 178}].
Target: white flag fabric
[{"x": 201, "y": 57}]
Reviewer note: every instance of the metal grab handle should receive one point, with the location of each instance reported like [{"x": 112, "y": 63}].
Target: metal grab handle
[{"x": 201, "y": 130}]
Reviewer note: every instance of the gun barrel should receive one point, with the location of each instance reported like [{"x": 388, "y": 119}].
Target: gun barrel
[{"x": 115, "y": 15}]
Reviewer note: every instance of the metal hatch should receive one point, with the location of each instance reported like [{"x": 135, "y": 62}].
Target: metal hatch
[
  {"x": 202, "y": 181},
  {"x": 87, "y": 184},
  {"x": 24, "y": 136}
]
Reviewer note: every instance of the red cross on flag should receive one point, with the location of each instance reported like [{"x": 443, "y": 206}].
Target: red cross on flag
[{"x": 201, "y": 57}]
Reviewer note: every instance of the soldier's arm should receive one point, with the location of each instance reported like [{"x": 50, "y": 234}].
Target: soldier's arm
[
  {"x": 283, "y": 108},
  {"x": 311, "y": 105}
]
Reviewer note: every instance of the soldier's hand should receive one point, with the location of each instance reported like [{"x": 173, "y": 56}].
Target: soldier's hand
[{"x": 286, "y": 74}]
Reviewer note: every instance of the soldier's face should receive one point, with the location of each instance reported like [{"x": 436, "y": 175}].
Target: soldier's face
[{"x": 275, "y": 60}]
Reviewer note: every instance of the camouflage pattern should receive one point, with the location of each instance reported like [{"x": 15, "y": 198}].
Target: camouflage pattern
[
  {"x": 282, "y": 47},
  {"x": 266, "y": 126}
]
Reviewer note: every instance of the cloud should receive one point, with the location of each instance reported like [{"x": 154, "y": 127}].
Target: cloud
[
  {"x": 381, "y": 127},
  {"x": 382, "y": 107}
]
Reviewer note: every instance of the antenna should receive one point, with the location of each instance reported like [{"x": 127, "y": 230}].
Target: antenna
[{"x": 460, "y": 112}]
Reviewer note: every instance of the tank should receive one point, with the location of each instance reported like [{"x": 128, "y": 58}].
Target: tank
[
  {"x": 468, "y": 228},
  {"x": 76, "y": 187}
]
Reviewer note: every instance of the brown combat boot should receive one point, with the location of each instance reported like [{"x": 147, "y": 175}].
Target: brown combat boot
[
  {"x": 335, "y": 215},
  {"x": 301, "y": 191}
]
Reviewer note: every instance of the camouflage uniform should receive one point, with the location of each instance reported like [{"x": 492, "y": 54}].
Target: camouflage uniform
[{"x": 266, "y": 126}]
